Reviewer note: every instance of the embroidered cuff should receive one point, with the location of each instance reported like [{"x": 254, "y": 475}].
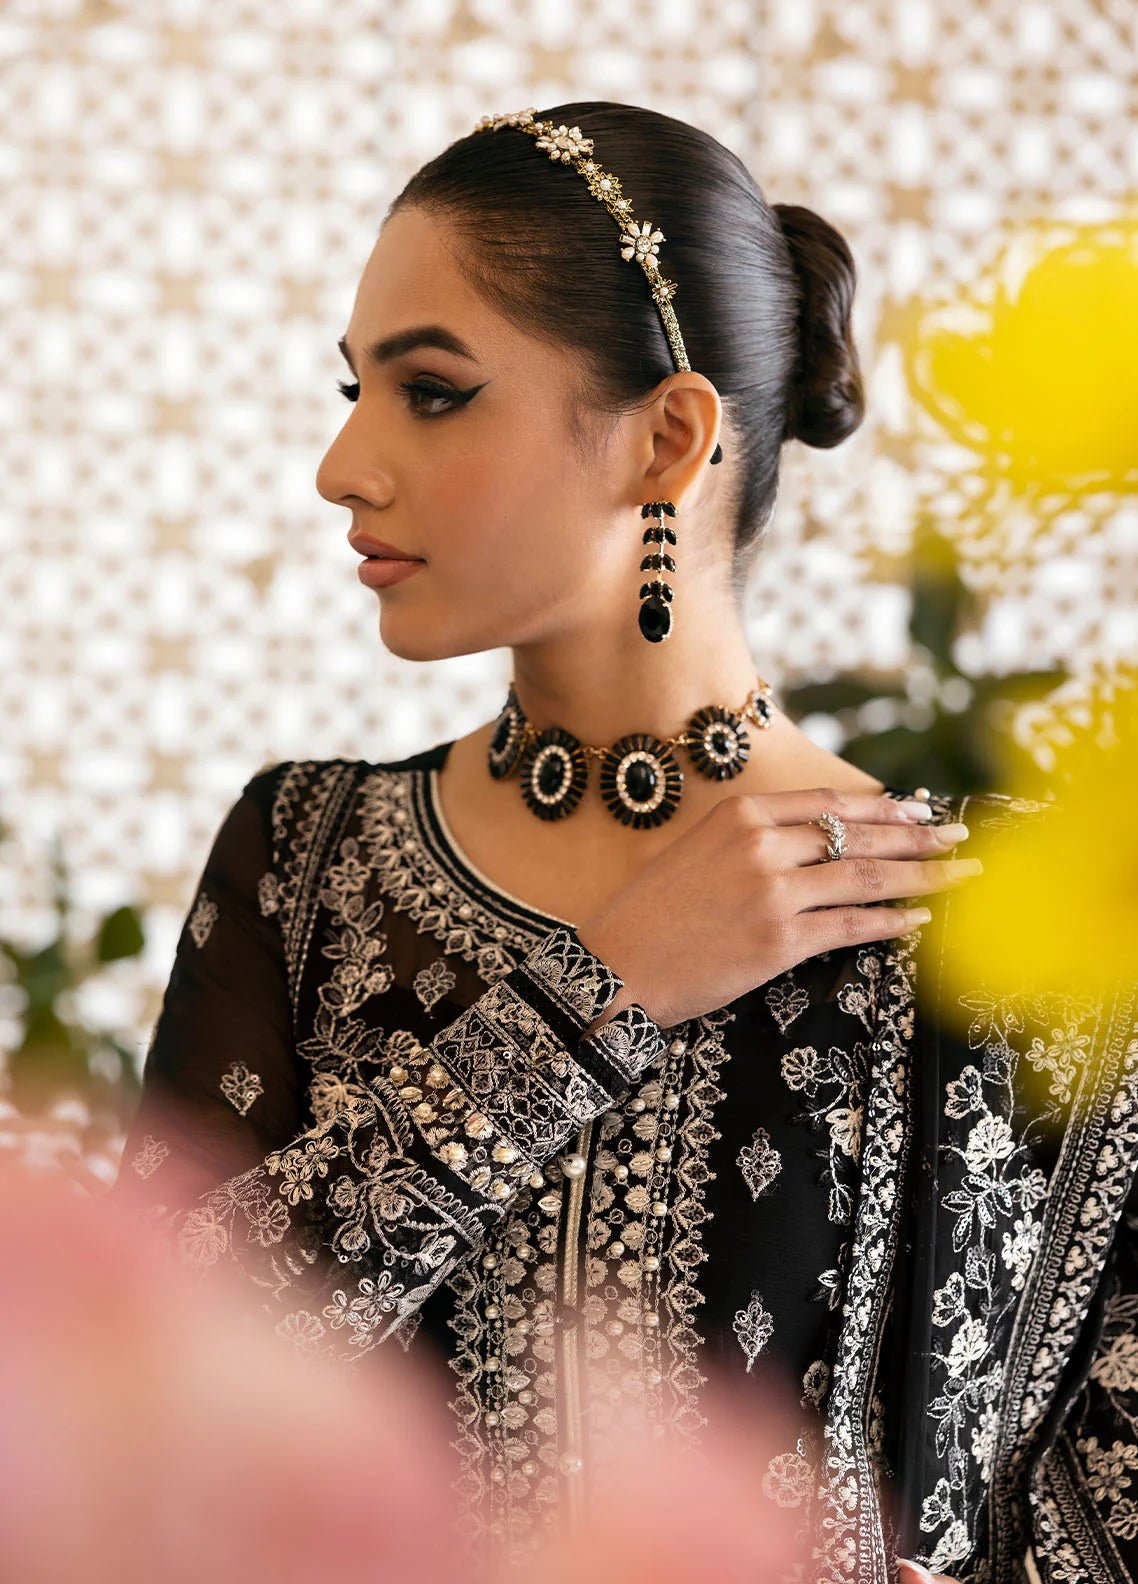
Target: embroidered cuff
[
  {"x": 620, "y": 1051},
  {"x": 502, "y": 1089}
]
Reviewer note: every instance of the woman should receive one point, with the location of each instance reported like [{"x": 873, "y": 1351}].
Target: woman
[{"x": 596, "y": 1076}]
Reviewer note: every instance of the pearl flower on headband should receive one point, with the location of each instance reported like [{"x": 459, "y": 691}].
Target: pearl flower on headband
[
  {"x": 641, "y": 244},
  {"x": 566, "y": 144},
  {"x": 639, "y": 239}
]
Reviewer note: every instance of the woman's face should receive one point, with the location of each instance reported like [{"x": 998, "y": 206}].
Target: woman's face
[{"x": 474, "y": 469}]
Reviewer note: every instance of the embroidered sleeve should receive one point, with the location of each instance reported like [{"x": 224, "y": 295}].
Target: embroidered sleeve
[
  {"x": 342, "y": 1230},
  {"x": 221, "y": 1084}
]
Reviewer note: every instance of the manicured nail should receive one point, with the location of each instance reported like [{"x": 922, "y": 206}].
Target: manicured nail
[
  {"x": 913, "y": 808},
  {"x": 914, "y": 1573},
  {"x": 951, "y": 834}
]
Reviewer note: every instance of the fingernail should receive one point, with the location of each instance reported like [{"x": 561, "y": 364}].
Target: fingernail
[
  {"x": 958, "y": 867},
  {"x": 914, "y": 1573},
  {"x": 915, "y": 809},
  {"x": 951, "y": 834}
]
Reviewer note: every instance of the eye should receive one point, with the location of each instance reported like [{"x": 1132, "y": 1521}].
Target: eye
[
  {"x": 424, "y": 390},
  {"x": 420, "y": 391}
]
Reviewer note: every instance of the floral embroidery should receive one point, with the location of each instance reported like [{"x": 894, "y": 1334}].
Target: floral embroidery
[
  {"x": 436, "y": 1139},
  {"x": 832, "y": 1085},
  {"x": 754, "y": 1328},
  {"x": 151, "y": 1155},
  {"x": 759, "y": 1162},
  {"x": 1028, "y": 1249},
  {"x": 994, "y": 1204},
  {"x": 786, "y": 1001},
  {"x": 410, "y": 1134},
  {"x": 240, "y": 1086},
  {"x": 433, "y": 982},
  {"x": 202, "y": 919},
  {"x": 789, "y": 1479},
  {"x": 1061, "y": 1055}
]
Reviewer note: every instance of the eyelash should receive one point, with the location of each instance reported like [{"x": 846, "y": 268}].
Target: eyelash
[{"x": 412, "y": 388}]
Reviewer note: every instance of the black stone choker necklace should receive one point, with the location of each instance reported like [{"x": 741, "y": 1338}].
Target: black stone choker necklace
[{"x": 641, "y": 779}]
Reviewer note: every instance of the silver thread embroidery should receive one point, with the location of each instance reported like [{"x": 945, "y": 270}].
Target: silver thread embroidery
[
  {"x": 150, "y": 1156},
  {"x": 786, "y": 1002},
  {"x": 759, "y": 1162},
  {"x": 240, "y": 1086},
  {"x": 754, "y": 1327},
  {"x": 433, "y": 982}
]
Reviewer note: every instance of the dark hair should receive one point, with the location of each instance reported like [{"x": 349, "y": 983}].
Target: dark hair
[{"x": 763, "y": 296}]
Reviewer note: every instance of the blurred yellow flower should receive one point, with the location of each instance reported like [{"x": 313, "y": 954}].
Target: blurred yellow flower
[
  {"x": 1037, "y": 370},
  {"x": 1056, "y": 909}
]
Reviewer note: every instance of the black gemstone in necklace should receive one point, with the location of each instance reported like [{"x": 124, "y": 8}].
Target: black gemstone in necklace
[
  {"x": 718, "y": 744},
  {"x": 554, "y": 774},
  {"x": 506, "y": 739},
  {"x": 641, "y": 781}
]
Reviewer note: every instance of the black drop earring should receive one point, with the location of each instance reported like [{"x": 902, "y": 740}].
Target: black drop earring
[{"x": 656, "y": 595}]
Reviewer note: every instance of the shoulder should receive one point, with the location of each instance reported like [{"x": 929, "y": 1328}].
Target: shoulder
[
  {"x": 294, "y": 796},
  {"x": 296, "y": 778}
]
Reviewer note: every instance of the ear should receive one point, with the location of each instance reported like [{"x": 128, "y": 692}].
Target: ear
[{"x": 681, "y": 432}]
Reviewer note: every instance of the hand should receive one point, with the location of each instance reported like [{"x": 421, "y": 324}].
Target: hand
[{"x": 743, "y": 895}]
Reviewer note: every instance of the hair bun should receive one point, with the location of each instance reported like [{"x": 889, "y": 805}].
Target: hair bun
[{"x": 827, "y": 396}]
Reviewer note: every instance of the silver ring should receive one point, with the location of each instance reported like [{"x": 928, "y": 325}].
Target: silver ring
[{"x": 835, "y": 835}]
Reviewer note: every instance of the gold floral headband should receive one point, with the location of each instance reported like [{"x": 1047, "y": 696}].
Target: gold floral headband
[{"x": 639, "y": 239}]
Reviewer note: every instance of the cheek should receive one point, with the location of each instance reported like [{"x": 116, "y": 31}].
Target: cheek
[{"x": 508, "y": 498}]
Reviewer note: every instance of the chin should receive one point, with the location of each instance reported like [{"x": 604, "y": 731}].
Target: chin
[{"x": 415, "y": 639}]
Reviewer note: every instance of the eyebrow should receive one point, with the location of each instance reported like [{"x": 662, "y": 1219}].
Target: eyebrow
[{"x": 393, "y": 346}]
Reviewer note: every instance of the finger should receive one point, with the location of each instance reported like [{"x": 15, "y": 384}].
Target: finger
[
  {"x": 833, "y": 929},
  {"x": 799, "y": 806},
  {"x": 800, "y": 845},
  {"x": 853, "y": 881}
]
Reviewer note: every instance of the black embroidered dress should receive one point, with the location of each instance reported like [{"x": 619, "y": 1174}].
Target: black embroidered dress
[{"x": 368, "y": 1088}]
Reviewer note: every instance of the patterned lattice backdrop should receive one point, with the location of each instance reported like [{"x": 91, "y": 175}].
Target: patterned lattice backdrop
[{"x": 190, "y": 191}]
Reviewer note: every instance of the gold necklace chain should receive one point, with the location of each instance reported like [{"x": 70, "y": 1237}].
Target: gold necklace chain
[{"x": 749, "y": 711}]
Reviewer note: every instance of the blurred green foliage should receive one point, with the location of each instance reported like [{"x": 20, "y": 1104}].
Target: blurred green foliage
[
  {"x": 930, "y": 723},
  {"x": 58, "y": 1054}
]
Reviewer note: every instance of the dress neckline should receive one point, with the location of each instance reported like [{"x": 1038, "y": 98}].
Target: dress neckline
[{"x": 466, "y": 865}]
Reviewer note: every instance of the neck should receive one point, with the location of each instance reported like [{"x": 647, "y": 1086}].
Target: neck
[{"x": 600, "y": 691}]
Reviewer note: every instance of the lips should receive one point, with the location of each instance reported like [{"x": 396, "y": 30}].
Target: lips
[{"x": 369, "y": 547}]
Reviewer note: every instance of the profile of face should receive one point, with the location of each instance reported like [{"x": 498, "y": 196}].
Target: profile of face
[{"x": 467, "y": 461}]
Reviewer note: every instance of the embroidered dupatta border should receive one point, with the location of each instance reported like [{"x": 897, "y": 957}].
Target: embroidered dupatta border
[
  {"x": 1061, "y": 1285},
  {"x": 851, "y": 1533}
]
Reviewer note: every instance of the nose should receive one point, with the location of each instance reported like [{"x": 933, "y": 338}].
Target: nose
[{"x": 347, "y": 474}]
